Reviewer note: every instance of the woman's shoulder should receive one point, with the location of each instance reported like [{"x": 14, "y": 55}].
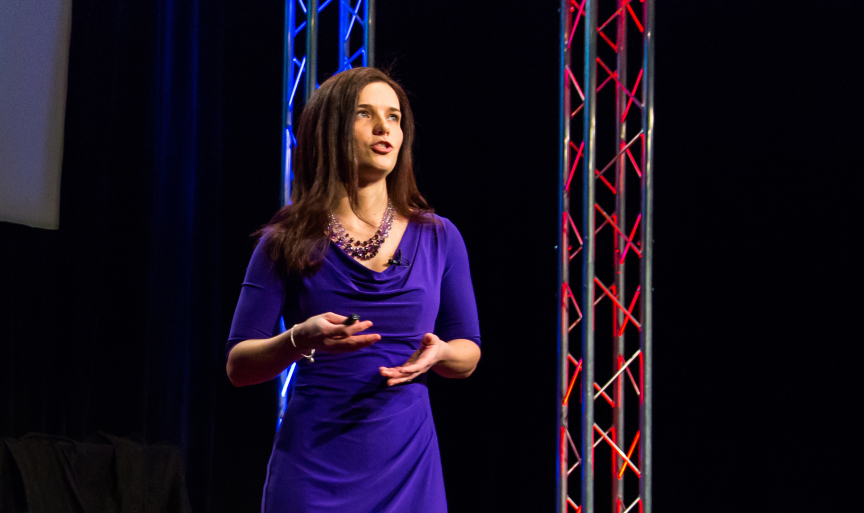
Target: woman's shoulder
[
  {"x": 430, "y": 220},
  {"x": 441, "y": 227},
  {"x": 262, "y": 244}
]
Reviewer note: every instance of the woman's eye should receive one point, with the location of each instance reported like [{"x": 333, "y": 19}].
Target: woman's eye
[
  {"x": 394, "y": 117},
  {"x": 363, "y": 113}
]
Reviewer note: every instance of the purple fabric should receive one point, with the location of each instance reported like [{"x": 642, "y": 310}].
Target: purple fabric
[{"x": 347, "y": 441}]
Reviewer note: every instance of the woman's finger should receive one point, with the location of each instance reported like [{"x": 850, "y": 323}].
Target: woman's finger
[
  {"x": 334, "y": 317},
  {"x": 360, "y": 339},
  {"x": 357, "y": 327},
  {"x": 394, "y": 372},
  {"x": 340, "y": 330},
  {"x": 420, "y": 366},
  {"x": 397, "y": 381},
  {"x": 345, "y": 345},
  {"x": 423, "y": 362},
  {"x": 409, "y": 367}
]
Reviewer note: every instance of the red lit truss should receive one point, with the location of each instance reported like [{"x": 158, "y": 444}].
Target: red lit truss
[{"x": 610, "y": 95}]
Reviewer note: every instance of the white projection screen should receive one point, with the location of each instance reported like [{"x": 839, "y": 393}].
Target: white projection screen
[{"x": 34, "y": 56}]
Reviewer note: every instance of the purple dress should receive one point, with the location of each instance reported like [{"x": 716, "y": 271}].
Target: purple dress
[{"x": 348, "y": 442}]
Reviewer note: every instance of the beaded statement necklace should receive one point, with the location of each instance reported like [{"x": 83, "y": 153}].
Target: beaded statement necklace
[{"x": 362, "y": 250}]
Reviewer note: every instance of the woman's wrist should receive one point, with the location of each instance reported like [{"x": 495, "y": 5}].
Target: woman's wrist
[
  {"x": 445, "y": 353},
  {"x": 291, "y": 349},
  {"x": 297, "y": 335},
  {"x": 310, "y": 356},
  {"x": 459, "y": 359}
]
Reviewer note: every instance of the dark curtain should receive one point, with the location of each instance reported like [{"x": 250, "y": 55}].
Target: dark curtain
[{"x": 117, "y": 321}]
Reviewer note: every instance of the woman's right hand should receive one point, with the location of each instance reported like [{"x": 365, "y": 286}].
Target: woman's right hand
[{"x": 326, "y": 333}]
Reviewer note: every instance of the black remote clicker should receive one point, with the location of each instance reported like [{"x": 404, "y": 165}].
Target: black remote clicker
[{"x": 351, "y": 319}]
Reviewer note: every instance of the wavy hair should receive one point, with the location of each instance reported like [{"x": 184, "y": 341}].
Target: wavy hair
[{"x": 297, "y": 237}]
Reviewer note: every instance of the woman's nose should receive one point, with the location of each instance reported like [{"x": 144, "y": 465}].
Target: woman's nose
[{"x": 381, "y": 127}]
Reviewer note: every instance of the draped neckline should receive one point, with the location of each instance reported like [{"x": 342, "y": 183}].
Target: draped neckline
[{"x": 360, "y": 272}]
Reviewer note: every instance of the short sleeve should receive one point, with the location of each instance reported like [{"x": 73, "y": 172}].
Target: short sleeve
[
  {"x": 457, "y": 315},
  {"x": 261, "y": 301}
]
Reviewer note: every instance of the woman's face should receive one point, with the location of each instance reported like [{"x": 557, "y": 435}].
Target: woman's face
[{"x": 377, "y": 132}]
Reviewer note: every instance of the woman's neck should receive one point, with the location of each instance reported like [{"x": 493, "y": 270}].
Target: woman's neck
[{"x": 371, "y": 203}]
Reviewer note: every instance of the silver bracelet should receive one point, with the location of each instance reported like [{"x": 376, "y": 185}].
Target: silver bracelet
[{"x": 307, "y": 356}]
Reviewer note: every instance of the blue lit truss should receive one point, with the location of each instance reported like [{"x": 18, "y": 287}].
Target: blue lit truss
[{"x": 301, "y": 72}]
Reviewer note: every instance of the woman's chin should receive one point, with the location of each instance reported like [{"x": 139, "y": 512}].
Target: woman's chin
[{"x": 368, "y": 175}]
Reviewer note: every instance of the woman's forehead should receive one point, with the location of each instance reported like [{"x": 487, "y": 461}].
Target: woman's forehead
[{"x": 379, "y": 94}]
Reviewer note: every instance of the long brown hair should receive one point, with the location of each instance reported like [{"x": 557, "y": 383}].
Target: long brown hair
[{"x": 296, "y": 237}]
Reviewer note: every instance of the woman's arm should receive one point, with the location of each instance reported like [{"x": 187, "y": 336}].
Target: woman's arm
[
  {"x": 458, "y": 359},
  {"x": 254, "y": 361},
  {"x": 257, "y": 360}
]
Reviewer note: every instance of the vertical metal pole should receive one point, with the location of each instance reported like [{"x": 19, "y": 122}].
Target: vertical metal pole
[
  {"x": 311, "y": 49},
  {"x": 287, "y": 104},
  {"x": 647, "y": 279},
  {"x": 588, "y": 247},
  {"x": 369, "y": 34},
  {"x": 345, "y": 14},
  {"x": 563, "y": 254},
  {"x": 620, "y": 244},
  {"x": 288, "y": 78}
]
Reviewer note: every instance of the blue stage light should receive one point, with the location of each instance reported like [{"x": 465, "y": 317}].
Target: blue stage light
[{"x": 288, "y": 379}]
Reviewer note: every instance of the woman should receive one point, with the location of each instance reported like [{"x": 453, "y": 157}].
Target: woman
[{"x": 357, "y": 435}]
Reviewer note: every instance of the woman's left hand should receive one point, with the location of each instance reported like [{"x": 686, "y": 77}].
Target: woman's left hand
[{"x": 431, "y": 352}]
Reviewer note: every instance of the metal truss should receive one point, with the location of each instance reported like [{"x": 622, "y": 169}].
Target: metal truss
[
  {"x": 301, "y": 73},
  {"x": 612, "y": 99}
]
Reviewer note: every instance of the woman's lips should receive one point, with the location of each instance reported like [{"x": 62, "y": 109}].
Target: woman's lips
[{"x": 382, "y": 148}]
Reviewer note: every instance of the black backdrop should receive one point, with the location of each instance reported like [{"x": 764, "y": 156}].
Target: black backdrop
[{"x": 117, "y": 321}]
